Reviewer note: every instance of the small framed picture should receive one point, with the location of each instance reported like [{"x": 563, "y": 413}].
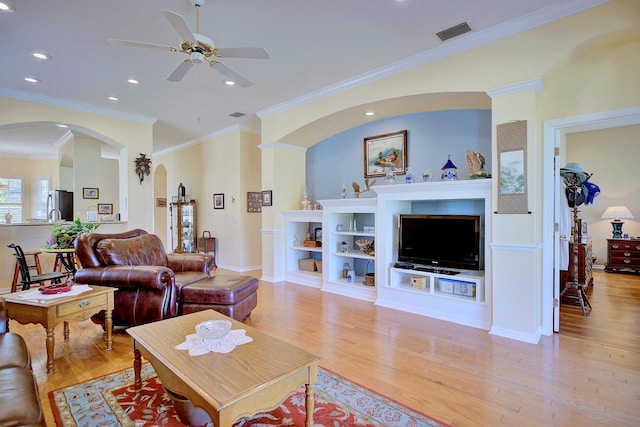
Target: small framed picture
[
  {"x": 218, "y": 201},
  {"x": 161, "y": 202},
  {"x": 90, "y": 193},
  {"x": 105, "y": 208},
  {"x": 254, "y": 201},
  {"x": 267, "y": 198},
  {"x": 317, "y": 234}
]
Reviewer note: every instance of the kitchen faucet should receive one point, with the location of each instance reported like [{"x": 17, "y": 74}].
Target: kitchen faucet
[{"x": 50, "y": 215}]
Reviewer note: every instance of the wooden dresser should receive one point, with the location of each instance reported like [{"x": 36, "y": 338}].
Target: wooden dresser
[
  {"x": 585, "y": 264},
  {"x": 623, "y": 255}
]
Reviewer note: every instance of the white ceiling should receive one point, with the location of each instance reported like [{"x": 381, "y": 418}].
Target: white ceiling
[{"x": 314, "y": 45}]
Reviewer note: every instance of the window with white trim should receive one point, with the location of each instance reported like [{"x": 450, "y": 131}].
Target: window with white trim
[
  {"x": 11, "y": 199},
  {"x": 43, "y": 187}
]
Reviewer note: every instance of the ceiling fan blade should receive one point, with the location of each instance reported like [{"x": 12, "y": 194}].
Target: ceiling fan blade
[
  {"x": 243, "y": 52},
  {"x": 139, "y": 44},
  {"x": 180, "y": 71},
  {"x": 180, "y": 26},
  {"x": 228, "y": 72}
]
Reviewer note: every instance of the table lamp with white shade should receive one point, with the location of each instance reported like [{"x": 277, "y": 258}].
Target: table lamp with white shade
[{"x": 617, "y": 213}]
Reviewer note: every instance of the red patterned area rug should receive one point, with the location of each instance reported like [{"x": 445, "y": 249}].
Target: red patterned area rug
[{"x": 112, "y": 401}]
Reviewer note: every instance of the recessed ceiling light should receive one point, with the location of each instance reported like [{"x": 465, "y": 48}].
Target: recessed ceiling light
[
  {"x": 31, "y": 80},
  {"x": 113, "y": 98},
  {"x": 62, "y": 125},
  {"x": 229, "y": 82},
  {"x": 369, "y": 113},
  {"x": 6, "y": 7},
  {"x": 41, "y": 55},
  {"x": 133, "y": 81}
]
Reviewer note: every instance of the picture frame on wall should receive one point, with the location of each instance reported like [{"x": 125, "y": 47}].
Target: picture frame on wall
[
  {"x": 105, "y": 208},
  {"x": 90, "y": 193},
  {"x": 267, "y": 198},
  {"x": 254, "y": 201},
  {"x": 161, "y": 202},
  {"x": 218, "y": 201},
  {"x": 385, "y": 151}
]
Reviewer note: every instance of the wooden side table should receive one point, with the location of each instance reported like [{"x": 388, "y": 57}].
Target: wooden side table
[{"x": 50, "y": 313}]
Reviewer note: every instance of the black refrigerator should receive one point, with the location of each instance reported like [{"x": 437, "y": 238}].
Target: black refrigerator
[{"x": 63, "y": 200}]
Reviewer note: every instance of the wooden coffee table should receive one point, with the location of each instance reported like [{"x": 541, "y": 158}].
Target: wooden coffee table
[
  {"x": 50, "y": 313},
  {"x": 254, "y": 377}
]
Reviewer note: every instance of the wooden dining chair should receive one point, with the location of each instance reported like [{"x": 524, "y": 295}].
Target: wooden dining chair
[{"x": 25, "y": 275}]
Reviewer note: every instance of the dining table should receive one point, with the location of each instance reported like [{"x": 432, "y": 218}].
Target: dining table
[{"x": 65, "y": 259}]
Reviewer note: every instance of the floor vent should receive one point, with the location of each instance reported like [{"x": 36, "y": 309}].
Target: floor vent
[
  {"x": 454, "y": 31},
  {"x": 237, "y": 114}
]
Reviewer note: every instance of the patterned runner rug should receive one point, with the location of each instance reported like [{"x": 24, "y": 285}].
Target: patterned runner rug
[{"x": 112, "y": 401}]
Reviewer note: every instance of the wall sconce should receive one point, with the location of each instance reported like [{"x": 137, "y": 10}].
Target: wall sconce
[{"x": 617, "y": 213}]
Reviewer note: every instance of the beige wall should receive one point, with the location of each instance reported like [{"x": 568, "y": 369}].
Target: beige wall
[
  {"x": 612, "y": 155},
  {"x": 92, "y": 171},
  {"x": 228, "y": 164}
]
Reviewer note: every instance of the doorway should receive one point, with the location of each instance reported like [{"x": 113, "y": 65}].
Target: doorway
[{"x": 554, "y": 140}]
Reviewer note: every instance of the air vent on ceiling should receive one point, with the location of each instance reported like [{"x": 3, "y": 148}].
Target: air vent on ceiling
[
  {"x": 237, "y": 114},
  {"x": 454, "y": 31}
]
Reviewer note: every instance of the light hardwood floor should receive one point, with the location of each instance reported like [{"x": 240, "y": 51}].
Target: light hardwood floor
[{"x": 587, "y": 375}]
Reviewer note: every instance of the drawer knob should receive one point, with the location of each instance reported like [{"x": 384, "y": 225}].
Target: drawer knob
[
  {"x": 84, "y": 304},
  {"x": 627, "y": 261},
  {"x": 627, "y": 254},
  {"x": 614, "y": 246}
]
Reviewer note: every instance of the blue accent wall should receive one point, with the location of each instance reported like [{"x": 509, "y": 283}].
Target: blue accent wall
[{"x": 432, "y": 137}]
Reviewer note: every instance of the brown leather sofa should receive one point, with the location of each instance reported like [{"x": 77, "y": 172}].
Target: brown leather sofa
[
  {"x": 19, "y": 398},
  {"x": 148, "y": 279}
]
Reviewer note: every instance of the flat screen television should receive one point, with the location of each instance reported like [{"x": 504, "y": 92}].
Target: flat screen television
[{"x": 450, "y": 241}]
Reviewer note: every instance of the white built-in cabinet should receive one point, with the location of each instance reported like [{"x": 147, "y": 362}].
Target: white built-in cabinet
[
  {"x": 377, "y": 219},
  {"x": 347, "y": 221},
  {"x": 299, "y": 223}
]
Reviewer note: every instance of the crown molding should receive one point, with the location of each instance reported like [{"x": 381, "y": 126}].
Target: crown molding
[
  {"x": 449, "y": 48},
  {"x": 68, "y": 136},
  {"x": 523, "y": 86},
  {"x": 72, "y": 105},
  {"x": 216, "y": 134},
  {"x": 282, "y": 146}
]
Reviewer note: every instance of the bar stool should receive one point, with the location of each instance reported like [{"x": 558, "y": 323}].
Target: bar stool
[
  {"x": 25, "y": 275},
  {"x": 35, "y": 266}
]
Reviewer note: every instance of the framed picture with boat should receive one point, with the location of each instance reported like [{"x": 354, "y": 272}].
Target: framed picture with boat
[{"x": 382, "y": 152}]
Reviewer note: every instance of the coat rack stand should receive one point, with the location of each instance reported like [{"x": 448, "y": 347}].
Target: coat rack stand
[{"x": 574, "y": 187}]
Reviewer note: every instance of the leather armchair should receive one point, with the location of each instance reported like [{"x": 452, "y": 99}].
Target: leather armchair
[{"x": 146, "y": 276}]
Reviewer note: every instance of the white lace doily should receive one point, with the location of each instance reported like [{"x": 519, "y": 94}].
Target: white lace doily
[{"x": 197, "y": 346}]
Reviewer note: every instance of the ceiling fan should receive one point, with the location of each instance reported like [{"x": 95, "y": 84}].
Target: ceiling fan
[{"x": 200, "y": 49}]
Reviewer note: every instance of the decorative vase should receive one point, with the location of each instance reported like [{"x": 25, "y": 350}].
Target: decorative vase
[
  {"x": 8, "y": 217},
  {"x": 389, "y": 177}
]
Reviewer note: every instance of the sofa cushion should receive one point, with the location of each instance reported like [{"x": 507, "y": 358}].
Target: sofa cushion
[
  {"x": 188, "y": 277},
  {"x": 19, "y": 398},
  {"x": 141, "y": 250},
  {"x": 13, "y": 352},
  {"x": 225, "y": 289}
]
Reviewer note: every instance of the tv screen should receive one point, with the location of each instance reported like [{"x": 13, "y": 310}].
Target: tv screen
[{"x": 440, "y": 240}]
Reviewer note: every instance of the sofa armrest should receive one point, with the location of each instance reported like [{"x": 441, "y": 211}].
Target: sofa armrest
[
  {"x": 181, "y": 262},
  {"x": 127, "y": 276},
  {"x": 4, "y": 319}
]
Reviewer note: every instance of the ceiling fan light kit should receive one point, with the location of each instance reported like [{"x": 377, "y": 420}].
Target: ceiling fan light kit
[{"x": 200, "y": 48}]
